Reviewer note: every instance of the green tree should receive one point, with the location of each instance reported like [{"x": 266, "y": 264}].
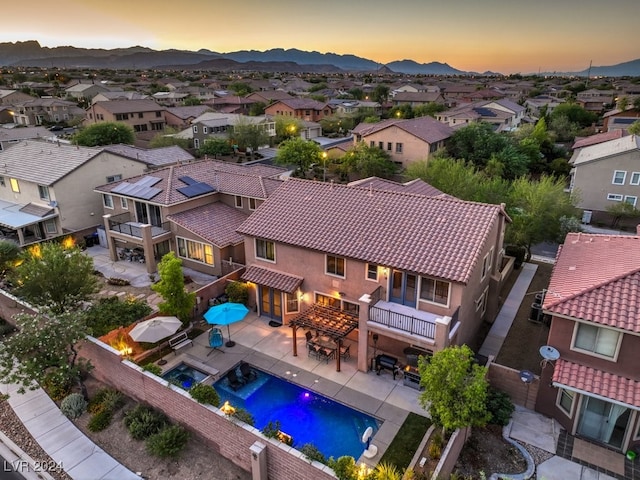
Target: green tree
[
  {"x": 634, "y": 128},
  {"x": 429, "y": 109},
  {"x": 240, "y": 88},
  {"x": 43, "y": 352},
  {"x": 563, "y": 129},
  {"x": 623, "y": 103},
  {"x": 535, "y": 208},
  {"x": 55, "y": 277},
  {"x": 257, "y": 108},
  {"x": 287, "y": 127},
  {"x": 575, "y": 113},
  {"x": 177, "y": 301},
  {"x": 454, "y": 177},
  {"x": 9, "y": 253},
  {"x": 356, "y": 93},
  {"x": 621, "y": 210},
  {"x": 299, "y": 152},
  {"x": 455, "y": 388},
  {"x": 476, "y": 143},
  {"x": 215, "y": 147},
  {"x": 366, "y": 161},
  {"x": 248, "y": 135},
  {"x": 104, "y": 133},
  {"x": 636, "y": 103},
  {"x": 380, "y": 94},
  {"x": 192, "y": 101},
  {"x": 168, "y": 138}
]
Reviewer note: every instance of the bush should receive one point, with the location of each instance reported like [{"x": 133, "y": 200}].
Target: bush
[
  {"x": 112, "y": 400},
  {"x": 310, "y": 451},
  {"x": 237, "y": 292},
  {"x": 499, "y": 406},
  {"x": 153, "y": 368},
  {"x": 518, "y": 252},
  {"x": 435, "y": 446},
  {"x": 271, "y": 429},
  {"x": 168, "y": 442},
  {"x": 57, "y": 385},
  {"x": 100, "y": 421},
  {"x": 73, "y": 405},
  {"x": 110, "y": 313},
  {"x": 203, "y": 393},
  {"x": 244, "y": 416},
  {"x": 120, "y": 282},
  {"x": 344, "y": 467},
  {"x": 143, "y": 421}
]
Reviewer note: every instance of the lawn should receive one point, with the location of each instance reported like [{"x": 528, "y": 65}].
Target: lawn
[{"x": 406, "y": 441}]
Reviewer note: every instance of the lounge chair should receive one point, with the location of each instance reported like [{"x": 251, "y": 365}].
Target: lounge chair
[
  {"x": 234, "y": 382},
  {"x": 215, "y": 340},
  {"x": 248, "y": 373}
]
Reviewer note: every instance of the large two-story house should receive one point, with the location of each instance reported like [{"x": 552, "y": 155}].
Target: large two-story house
[
  {"x": 417, "y": 272},
  {"x": 590, "y": 381},
  {"x": 212, "y": 125},
  {"x": 41, "y": 111},
  {"x": 141, "y": 115},
  {"x": 503, "y": 114},
  {"x": 302, "y": 108}
]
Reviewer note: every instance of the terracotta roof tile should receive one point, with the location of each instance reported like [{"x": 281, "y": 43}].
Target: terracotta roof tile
[
  {"x": 434, "y": 236},
  {"x": 424, "y": 128},
  {"x": 271, "y": 278},
  {"x": 597, "y": 382},
  {"x": 597, "y": 278},
  {"x": 215, "y": 223},
  {"x": 417, "y": 186}
]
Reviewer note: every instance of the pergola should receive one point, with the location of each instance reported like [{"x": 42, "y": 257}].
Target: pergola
[{"x": 327, "y": 321}]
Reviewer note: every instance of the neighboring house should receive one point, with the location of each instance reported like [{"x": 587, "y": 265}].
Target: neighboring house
[
  {"x": 12, "y": 97},
  {"x": 141, "y": 115},
  {"x": 605, "y": 174},
  {"x": 404, "y": 140},
  {"x": 417, "y": 98},
  {"x": 47, "y": 189},
  {"x": 302, "y": 108},
  {"x": 192, "y": 210},
  {"x": 230, "y": 104},
  {"x": 221, "y": 125},
  {"x": 124, "y": 95},
  {"x": 503, "y": 114},
  {"x": 594, "y": 100},
  {"x": 593, "y": 388},
  {"x": 170, "y": 99},
  {"x": 151, "y": 157},
  {"x": 41, "y": 111},
  {"x": 535, "y": 105},
  {"x": 12, "y": 136},
  {"x": 84, "y": 91},
  {"x": 351, "y": 107},
  {"x": 422, "y": 279},
  {"x": 619, "y": 120},
  {"x": 269, "y": 96},
  {"x": 310, "y": 130},
  {"x": 181, "y": 117}
]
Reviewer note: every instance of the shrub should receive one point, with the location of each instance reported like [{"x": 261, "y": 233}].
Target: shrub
[
  {"x": 271, "y": 429},
  {"x": 237, "y": 292},
  {"x": 153, "y": 368},
  {"x": 344, "y": 467},
  {"x": 112, "y": 400},
  {"x": 168, "y": 442},
  {"x": 499, "y": 406},
  {"x": 73, "y": 405},
  {"x": 100, "y": 421},
  {"x": 244, "y": 416},
  {"x": 435, "y": 445},
  {"x": 110, "y": 313},
  {"x": 57, "y": 385},
  {"x": 518, "y": 252},
  {"x": 387, "y": 471},
  {"x": 310, "y": 451},
  {"x": 143, "y": 421},
  {"x": 120, "y": 282},
  {"x": 203, "y": 393}
]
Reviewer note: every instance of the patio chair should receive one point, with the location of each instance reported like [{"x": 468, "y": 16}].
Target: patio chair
[
  {"x": 215, "y": 340},
  {"x": 312, "y": 349},
  {"x": 326, "y": 354},
  {"x": 248, "y": 373},
  {"x": 344, "y": 351},
  {"x": 234, "y": 382}
]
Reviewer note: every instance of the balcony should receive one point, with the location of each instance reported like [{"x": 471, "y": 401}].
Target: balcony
[
  {"x": 123, "y": 224},
  {"x": 405, "y": 319}
]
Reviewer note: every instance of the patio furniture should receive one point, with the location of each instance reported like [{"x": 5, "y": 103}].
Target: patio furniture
[
  {"x": 326, "y": 354},
  {"x": 344, "y": 352},
  {"x": 234, "y": 382},
  {"x": 387, "y": 362},
  {"x": 312, "y": 349},
  {"x": 215, "y": 340},
  {"x": 179, "y": 341},
  {"x": 248, "y": 373}
]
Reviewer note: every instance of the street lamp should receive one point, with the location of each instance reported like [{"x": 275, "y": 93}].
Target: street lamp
[{"x": 324, "y": 166}]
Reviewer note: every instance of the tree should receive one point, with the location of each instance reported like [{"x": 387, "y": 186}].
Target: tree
[
  {"x": 621, "y": 210},
  {"x": 168, "y": 139},
  {"x": 380, "y": 94},
  {"x": 455, "y": 388},
  {"x": 634, "y": 128},
  {"x": 55, "y": 276},
  {"x": 300, "y": 152},
  {"x": 104, "y": 133},
  {"x": 42, "y": 352},
  {"x": 240, "y": 88},
  {"x": 215, "y": 147},
  {"x": 9, "y": 253},
  {"x": 575, "y": 113},
  {"x": 476, "y": 143},
  {"x": 191, "y": 101},
  {"x": 177, "y": 301},
  {"x": 454, "y": 177},
  {"x": 257, "y": 108},
  {"x": 248, "y": 135},
  {"x": 367, "y": 161},
  {"x": 287, "y": 127},
  {"x": 623, "y": 103}
]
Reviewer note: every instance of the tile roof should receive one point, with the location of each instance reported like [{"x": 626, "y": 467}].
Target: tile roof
[
  {"x": 428, "y": 235},
  {"x": 127, "y": 106},
  {"x": 424, "y": 128},
  {"x": 271, "y": 278},
  {"x": 598, "y": 138},
  {"x": 602, "y": 150},
  {"x": 188, "y": 112},
  {"x": 597, "y": 278},
  {"x": 300, "y": 103},
  {"x": 215, "y": 223},
  {"x": 597, "y": 382},
  {"x": 253, "y": 181},
  {"x": 26, "y": 133},
  {"x": 152, "y": 156},
  {"x": 417, "y": 186},
  {"x": 44, "y": 162}
]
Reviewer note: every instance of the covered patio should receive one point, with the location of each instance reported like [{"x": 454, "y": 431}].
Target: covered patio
[{"x": 330, "y": 324}]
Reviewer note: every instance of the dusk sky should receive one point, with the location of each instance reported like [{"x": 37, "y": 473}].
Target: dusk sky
[{"x": 512, "y": 36}]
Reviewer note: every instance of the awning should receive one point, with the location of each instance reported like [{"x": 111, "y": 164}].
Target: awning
[
  {"x": 15, "y": 216},
  {"x": 327, "y": 320},
  {"x": 271, "y": 278},
  {"x": 597, "y": 383}
]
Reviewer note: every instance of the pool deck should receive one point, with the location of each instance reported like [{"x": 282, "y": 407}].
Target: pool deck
[{"x": 270, "y": 349}]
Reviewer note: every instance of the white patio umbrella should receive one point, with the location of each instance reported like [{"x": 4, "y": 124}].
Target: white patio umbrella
[{"x": 155, "y": 329}]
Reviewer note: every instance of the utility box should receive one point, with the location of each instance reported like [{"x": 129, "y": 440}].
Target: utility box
[{"x": 258, "y": 461}]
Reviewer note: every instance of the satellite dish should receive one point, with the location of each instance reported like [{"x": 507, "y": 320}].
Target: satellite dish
[{"x": 549, "y": 353}]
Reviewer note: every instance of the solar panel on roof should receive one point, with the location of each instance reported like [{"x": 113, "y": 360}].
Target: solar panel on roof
[
  {"x": 188, "y": 180},
  {"x": 196, "y": 189},
  {"x": 485, "y": 112},
  {"x": 143, "y": 188}
]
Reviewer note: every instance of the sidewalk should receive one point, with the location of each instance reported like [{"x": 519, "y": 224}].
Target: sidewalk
[{"x": 80, "y": 458}]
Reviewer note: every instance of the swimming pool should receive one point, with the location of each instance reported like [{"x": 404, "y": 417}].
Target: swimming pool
[
  {"x": 184, "y": 376},
  {"x": 309, "y": 417}
]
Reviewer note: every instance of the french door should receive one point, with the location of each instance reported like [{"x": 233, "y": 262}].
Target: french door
[
  {"x": 404, "y": 288},
  {"x": 603, "y": 421},
  {"x": 270, "y": 303}
]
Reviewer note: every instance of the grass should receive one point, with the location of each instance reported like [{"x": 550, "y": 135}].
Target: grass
[{"x": 406, "y": 441}]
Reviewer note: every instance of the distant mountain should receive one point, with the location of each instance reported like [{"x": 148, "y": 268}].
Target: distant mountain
[
  {"x": 415, "y": 68},
  {"x": 626, "y": 69},
  {"x": 229, "y": 65},
  {"x": 344, "y": 62}
]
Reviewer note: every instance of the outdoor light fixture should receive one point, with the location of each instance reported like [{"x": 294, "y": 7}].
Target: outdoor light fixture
[{"x": 227, "y": 409}]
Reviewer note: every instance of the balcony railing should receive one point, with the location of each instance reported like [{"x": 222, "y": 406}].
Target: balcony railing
[
  {"x": 124, "y": 224},
  {"x": 400, "y": 321}
]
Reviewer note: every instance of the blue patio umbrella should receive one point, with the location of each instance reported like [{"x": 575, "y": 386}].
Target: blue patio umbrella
[{"x": 226, "y": 314}]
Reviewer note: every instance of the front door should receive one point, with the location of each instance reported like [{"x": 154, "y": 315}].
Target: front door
[
  {"x": 403, "y": 288},
  {"x": 603, "y": 422},
  {"x": 270, "y": 303}
]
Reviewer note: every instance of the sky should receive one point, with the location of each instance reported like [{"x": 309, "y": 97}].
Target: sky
[{"x": 515, "y": 36}]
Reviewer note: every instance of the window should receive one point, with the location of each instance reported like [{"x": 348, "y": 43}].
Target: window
[
  {"x": 50, "y": 226},
  {"x": 292, "y": 302},
  {"x": 487, "y": 263},
  {"x": 2, "y": 181},
  {"x": 596, "y": 340},
  {"x": 635, "y": 178},
  {"x": 107, "y": 200},
  {"x": 43, "y": 191},
  {"x": 114, "y": 178},
  {"x": 124, "y": 203},
  {"x": 252, "y": 204},
  {"x": 631, "y": 200},
  {"x": 372, "y": 272},
  {"x": 398, "y": 148},
  {"x": 122, "y": 116},
  {"x": 15, "y": 186},
  {"x": 565, "y": 400},
  {"x": 196, "y": 251},
  {"x": 389, "y": 146},
  {"x": 619, "y": 177},
  {"x": 327, "y": 301},
  {"x": 265, "y": 250},
  {"x": 238, "y": 201},
  {"x": 615, "y": 197},
  {"x": 196, "y": 143},
  {"x": 372, "y": 144},
  {"x": 352, "y": 308},
  {"x": 205, "y": 130},
  {"x": 335, "y": 266},
  {"x": 381, "y": 145},
  {"x": 195, "y": 129},
  {"x": 433, "y": 290}
]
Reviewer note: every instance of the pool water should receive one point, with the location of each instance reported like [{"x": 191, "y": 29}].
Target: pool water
[
  {"x": 185, "y": 376},
  {"x": 308, "y": 417}
]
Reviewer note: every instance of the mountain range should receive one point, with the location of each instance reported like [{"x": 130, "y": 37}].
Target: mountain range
[{"x": 32, "y": 54}]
